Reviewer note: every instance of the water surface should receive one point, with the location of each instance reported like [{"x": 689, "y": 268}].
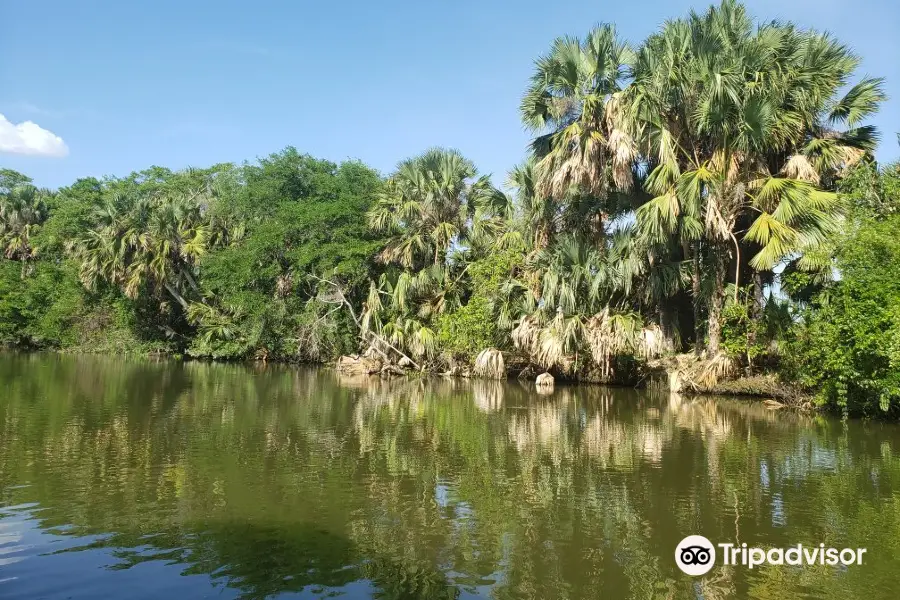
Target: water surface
[{"x": 142, "y": 479}]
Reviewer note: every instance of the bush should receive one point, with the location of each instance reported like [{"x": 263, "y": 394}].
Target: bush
[
  {"x": 847, "y": 346},
  {"x": 39, "y": 302},
  {"x": 468, "y": 330},
  {"x": 473, "y": 327}
]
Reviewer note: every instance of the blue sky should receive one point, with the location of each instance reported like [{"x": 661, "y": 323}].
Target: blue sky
[{"x": 129, "y": 84}]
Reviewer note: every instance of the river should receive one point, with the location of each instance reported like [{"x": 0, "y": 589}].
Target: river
[{"x": 142, "y": 479}]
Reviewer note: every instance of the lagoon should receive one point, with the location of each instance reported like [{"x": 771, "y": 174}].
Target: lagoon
[{"x": 147, "y": 479}]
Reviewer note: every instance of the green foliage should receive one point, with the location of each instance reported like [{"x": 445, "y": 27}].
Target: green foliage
[
  {"x": 872, "y": 191},
  {"x": 9, "y": 180},
  {"x": 323, "y": 231},
  {"x": 48, "y": 308},
  {"x": 848, "y": 344},
  {"x": 215, "y": 262},
  {"x": 471, "y": 328},
  {"x": 434, "y": 202},
  {"x": 71, "y": 212},
  {"x": 40, "y": 308},
  {"x": 302, "y": 217},
  {"x": 740, "y": 333},
  {"x": 799, "y": 285}
]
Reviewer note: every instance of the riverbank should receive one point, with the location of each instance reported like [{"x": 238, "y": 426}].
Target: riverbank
[
  {"x": 764, "y": 387},
  {"x": 682, "y": 374}
]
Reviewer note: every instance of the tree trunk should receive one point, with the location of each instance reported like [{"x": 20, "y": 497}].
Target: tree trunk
[
  {"x": 716, "y": 303},
  {"x": 759, "y": 297},
  {"x": 696, "y": 293},
  {"x": 667, "y": 328},
  {"x": 737, "y": 266},
  {"x": 756, "y": 313}
]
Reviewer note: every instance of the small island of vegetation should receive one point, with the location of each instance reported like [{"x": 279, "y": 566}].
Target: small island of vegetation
[{"x": 706, "y": 202}]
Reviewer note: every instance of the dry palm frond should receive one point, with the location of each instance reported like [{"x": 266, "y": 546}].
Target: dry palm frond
[
  {"x": 714, "y": 369},
  {"x": 551, "y": 344},
  {"x": 490, "y": 364},
  {"x": 718, "y": 164},
  {"x": 577, "y": 159},
  {"x": 609, "y": 335},
  {"x": 799, "y": 167},
  {"x": 624, "y": 152},
  {"x": 703, "y": 375},
  {"x": 527, "y": 334},
  {"x": 651, "y": 342},
  {"x": 622, "y": 146}
]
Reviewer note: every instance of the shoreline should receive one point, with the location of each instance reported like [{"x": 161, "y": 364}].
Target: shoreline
[{"x": 762, "y": 387}]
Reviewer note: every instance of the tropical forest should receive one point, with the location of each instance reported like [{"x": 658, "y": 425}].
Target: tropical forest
[{"x": 704, "y": 204}]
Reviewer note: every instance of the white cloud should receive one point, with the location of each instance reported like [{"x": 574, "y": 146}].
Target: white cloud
[{"x": 30, "y": 138}]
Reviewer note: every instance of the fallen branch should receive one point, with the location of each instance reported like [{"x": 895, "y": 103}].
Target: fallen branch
[{"x": 362, "y": 332}]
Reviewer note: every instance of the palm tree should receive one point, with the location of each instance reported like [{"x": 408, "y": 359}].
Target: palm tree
[
  {"x": 571, "y": 104},
  {"x": 22, "y": 211},
  {"x": 145, "y": 243},
  {"x": 432, "y": 203},
  {"x": 539, "y": 214},
  {"x": 731, "y": 125},
  {"x": 401, "y": 310},
  {"x": 440, "y": 216},
  {"x": 584, "y": 167},
  {"x": 584, "y": 311}
]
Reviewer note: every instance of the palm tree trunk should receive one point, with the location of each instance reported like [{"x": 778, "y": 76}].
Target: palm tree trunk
[
  {"x": 759, "y": 297},
  {"x": 756, "y": 311},
  {"x": 716, "y": 303},
  {"x": 178, "y": 297},
  {"x": 666, "y": 326},
  {"x": 737, "y": 266},
  {"x": 695, "y": 293}
]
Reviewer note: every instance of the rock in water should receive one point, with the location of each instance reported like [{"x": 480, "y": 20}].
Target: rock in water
[{"x": 544, "y": 380}]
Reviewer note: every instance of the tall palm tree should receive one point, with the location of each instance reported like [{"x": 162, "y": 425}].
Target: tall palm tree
[
  {"x": 439, "y": 215},
  {"x": 571, "y": 104},
  {"x": 731, "y": 125},
  {"x": 432, "y": 203}
]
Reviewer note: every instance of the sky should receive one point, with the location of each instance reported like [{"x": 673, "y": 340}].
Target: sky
[{"x": 94, "y": 88}]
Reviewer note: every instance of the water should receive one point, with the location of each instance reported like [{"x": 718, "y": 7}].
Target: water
[{"x": 145, "y": 480}]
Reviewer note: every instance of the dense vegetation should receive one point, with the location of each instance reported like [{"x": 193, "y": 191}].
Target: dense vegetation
[{"x": 712, "y": 189}]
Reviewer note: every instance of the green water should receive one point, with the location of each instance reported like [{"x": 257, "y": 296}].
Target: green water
[{"x": 145, "y": 480}]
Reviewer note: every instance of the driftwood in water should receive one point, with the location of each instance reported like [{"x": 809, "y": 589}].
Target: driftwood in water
[{"x": 358, "y": 365}]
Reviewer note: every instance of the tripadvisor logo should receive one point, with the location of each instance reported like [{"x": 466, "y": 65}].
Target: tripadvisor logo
[{"x": 696, "y": 555}]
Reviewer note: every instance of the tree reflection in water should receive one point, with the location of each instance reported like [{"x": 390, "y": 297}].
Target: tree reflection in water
[{"x": 270, "y": 479}]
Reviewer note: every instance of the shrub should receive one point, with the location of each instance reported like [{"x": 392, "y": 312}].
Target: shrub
[
  {"x": 473, "y": 327},
  {"x": 847, "y": 346}
]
